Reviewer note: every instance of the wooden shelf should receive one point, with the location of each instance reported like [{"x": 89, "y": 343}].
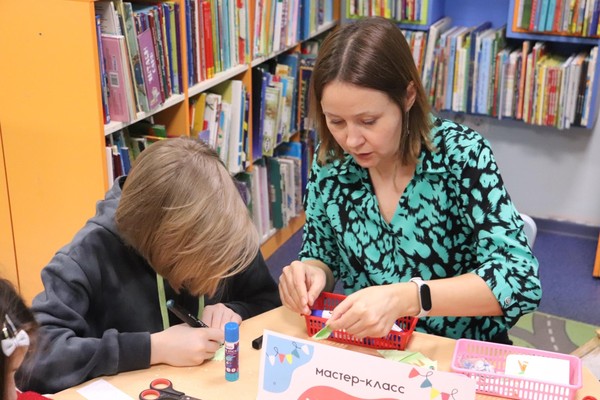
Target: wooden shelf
[{"x": 282, "y": 235}]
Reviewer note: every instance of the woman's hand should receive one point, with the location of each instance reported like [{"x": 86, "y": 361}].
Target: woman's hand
[
  {"x": 217, "y": 315},
  {"x": 300, "y": 284},
  {"x": 184, "y": 346},
  {"x": 374, "y": 310}
]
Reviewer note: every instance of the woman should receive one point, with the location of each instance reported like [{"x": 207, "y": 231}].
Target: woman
[{"x": 407, "y": 210}]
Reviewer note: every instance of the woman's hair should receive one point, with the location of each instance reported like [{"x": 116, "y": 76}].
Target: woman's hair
[
  {"x": 371, "y": 53},
  {"x": 19, "y": 316},
  {"x": 180, "y": 209}
]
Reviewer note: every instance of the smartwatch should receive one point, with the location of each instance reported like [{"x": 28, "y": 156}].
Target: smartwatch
[{"x": 424, "y": 296}]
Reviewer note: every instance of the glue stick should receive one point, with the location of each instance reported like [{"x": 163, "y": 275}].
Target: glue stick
[
  {"x": 232, "y": 351},
  {"x": 327, "y": 314}
]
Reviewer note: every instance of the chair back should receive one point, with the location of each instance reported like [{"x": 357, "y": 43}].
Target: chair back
[{"x": 530, "y": 229}]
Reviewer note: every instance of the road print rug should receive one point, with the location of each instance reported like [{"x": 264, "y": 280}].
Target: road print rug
[{"x": 548, "y": 332}]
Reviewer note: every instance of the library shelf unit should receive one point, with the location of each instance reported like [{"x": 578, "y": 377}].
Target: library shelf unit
[
  {"x": 499, "y": 13},
  {"x": 53, "y": 166},
  {"x": 432, "y": 11}
]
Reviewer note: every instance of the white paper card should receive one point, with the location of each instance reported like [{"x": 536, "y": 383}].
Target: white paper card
[
  {"x": 102, "y": 390},
  {"x": 291, "y": 368},
  {"x": 545, "y": 369}
]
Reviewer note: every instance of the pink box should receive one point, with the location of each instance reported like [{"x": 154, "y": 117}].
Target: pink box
[{"x": 513, "y": 387}]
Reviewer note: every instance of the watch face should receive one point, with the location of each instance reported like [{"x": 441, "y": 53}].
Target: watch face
[{"x": 425, "y": 298}]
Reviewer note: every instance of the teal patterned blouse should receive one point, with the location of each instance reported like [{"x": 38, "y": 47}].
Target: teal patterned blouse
[{"x": 454, "y": 217}]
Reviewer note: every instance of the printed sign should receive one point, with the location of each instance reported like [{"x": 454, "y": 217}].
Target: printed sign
[{"x": 292, "y": 368}]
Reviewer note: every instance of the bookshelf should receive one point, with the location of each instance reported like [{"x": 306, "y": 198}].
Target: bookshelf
[
  {"x": 53, "y": 163},
  {"x": 470, "y": 13},
  {"x": 425, "y": 12}
]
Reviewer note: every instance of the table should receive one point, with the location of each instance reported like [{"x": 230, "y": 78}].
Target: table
[{"x": 207, "y": 381}]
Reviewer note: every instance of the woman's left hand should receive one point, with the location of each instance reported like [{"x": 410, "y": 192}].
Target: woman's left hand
[
  {"x": 369, "y": 312},
  {"x": 217, "y": 315}
]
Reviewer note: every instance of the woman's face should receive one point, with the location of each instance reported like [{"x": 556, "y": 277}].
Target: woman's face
[
  {"x": 366, "y": 123},
  {"x": 12, "y": 364}
]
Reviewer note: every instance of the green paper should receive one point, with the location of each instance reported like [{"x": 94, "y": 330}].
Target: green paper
[
  {"x": 409, "y": 357},
  {"x": 219, "y": 354},
  {"x": 322, "y": 334}
]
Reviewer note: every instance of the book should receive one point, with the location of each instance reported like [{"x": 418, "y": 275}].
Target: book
[
  {"x": 103, "y": 75},
  {"x": 109, "y": 19},
  {"x": 171, "y": 19},
  {"x": 474, "y": 48},
  {"x": 260, "y": 79},
  {"x": 271, "y": 119},
  {"x": 150, "y": 68},
  {"x": 256, "y": 201},
  {"x": 590, "y": 78},
  {"x": 522, "y": 81},
  {"x": 232, "y": 92},
  {"x": 212, "y": 115},
  {"x": 199, "y": 128},
  {"x": 435, "y": 30},
  {"x": 224, "y": 131},
  {"x": 119, "y": 83},
  {"x": 292, "y": 61},
  {"x": 275, "y": 192},
  {"x": 135, "y": 64},
  {"x": 207, "y": 25}
]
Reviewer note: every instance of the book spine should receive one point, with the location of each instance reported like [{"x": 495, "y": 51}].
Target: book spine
[
  {"x": 150, "y": 68},
  {"x": 103, "y": 74}
]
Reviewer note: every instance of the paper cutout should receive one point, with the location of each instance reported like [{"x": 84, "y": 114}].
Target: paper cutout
[
  {"x": 219, "y": 354},
  {"x": 323, "y": 333},
  {"x": 546, "y": 369},
  {"x": 409, "y": 357},
  {"x": 102, "y": 390}
]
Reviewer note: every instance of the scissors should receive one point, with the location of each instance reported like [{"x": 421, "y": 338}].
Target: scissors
[{"x": 162, "y": 389}]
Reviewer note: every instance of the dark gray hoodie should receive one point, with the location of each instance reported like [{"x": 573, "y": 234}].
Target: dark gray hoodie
[{"x": 100, "y": 305}]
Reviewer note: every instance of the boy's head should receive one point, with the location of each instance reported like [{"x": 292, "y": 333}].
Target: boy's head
[{"x": 181, "y": 210}]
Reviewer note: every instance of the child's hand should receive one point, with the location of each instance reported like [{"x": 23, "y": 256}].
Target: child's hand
[
  {"x": 217, "y": 315},
  {"x": 184, "y": 346}
]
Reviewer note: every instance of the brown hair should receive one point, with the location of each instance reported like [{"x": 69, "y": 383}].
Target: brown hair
[
  {"x": 371, "y": 53},
  {"x": 12, "y": 304},
  {"x": 181, "y": 210}
]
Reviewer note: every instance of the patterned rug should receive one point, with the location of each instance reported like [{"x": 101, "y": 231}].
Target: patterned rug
[{"x": 549, "y": 332}]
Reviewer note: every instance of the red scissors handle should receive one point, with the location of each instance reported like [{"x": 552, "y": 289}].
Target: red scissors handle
[
  {"x": 149, "y": 394},
  {"x": 161, "y": 384}
]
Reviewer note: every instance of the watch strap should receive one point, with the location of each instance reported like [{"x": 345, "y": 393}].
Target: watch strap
[{"x": 424, "y": 297}]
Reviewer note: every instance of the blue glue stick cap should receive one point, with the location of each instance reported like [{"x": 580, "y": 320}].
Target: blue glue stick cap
[{"x": 232, "y": 332}]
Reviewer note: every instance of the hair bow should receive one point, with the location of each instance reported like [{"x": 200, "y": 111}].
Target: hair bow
[{"x": 11, "y": 339}]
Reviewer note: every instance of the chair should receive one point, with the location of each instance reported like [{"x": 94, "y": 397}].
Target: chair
[{"x": 530, "y": 229}]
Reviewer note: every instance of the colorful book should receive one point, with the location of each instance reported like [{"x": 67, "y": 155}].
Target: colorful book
[
  {"x": 150, "y": 68},
  {"x": 103, "y": 75},
  {"x": 119, "y": 84},
  {"x": 135, "y": 64}
]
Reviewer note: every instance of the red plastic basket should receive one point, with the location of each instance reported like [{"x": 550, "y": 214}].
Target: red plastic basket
[
  {"x": 394, "y": 340},
  {"x": 513, "y": 387}
]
